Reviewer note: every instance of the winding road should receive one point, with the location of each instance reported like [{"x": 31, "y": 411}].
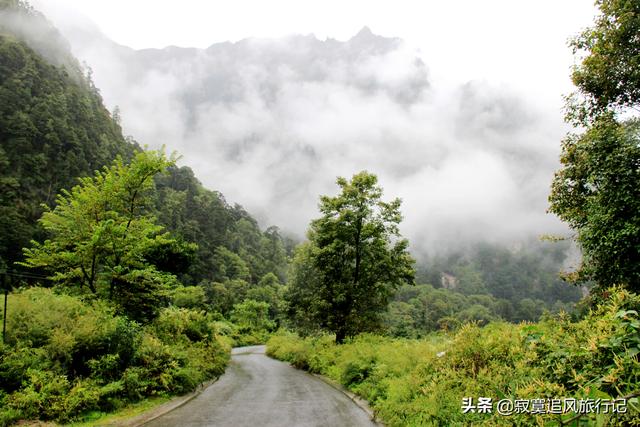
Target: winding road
[{"x": 259, "y": 391}]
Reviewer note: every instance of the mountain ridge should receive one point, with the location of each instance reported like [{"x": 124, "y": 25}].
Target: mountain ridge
[{"x": 54, "y": 129}]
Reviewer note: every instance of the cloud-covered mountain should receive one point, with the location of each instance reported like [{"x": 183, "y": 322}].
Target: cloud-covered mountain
[{"x": 272, "y": 122}]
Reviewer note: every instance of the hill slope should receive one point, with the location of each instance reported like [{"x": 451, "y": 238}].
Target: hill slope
[{"x": 55, "y": 128}]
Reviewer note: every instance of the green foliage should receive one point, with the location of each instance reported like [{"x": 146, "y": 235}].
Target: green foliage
[
  {"x": 64, "y": 357},
  {"x": 597, "y": 191},
  {"x": 53, "y": 128},
  {"x": 608, "y": 77},
  {"x": 421, "y": 309},
  {"x": 356, "y": 256},
  {"x": 302, "y": 294},
  {"x": 422, "y": 382},
  {"x": 221, "y": 297},
  {"x": 598, "y": 194},
  {"x": 230, "y": 265},
  {"x": 528, "y": 270},
  {"x": 231, "y": 245},
  {"x": 432, "y": 309},
  {"x": 225, "y": 297},
  {"x": 105, "y": 241},
  {"x": 252, "y": 321},
  {"x": 252, "y": 314},
  {"x": 271, "y": 292},
  {"x": 175, "y": 323},
  {"x": 193, "y": 297},
  {"x": 102, "y": 235}
]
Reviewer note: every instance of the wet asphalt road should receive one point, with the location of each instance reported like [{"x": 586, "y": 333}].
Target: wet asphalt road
[{"x": 259, "y": 391}]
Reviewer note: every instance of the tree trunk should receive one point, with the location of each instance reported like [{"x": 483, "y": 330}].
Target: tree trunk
[{"x": 340, "y": 336}]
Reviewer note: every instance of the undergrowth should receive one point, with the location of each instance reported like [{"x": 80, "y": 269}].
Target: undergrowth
[
  {"x": 65, "y": 359},
  {"x": 423, "y": 382}
]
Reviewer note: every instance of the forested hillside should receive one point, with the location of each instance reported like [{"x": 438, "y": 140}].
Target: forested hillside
[
  {"x": 125, "y": 278},
  {"x": 230, "y": 242},
  {"x": 123, "y": 237},
  {"x": 483, "y": 283},
  {"x": 54, "y": 129}
]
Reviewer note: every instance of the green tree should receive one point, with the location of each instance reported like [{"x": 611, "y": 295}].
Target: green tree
[
  {"x": 609, "y": 75},
  {"x": 102, "y": 235},
  {"x": 301, "y": 296},
  {"x": 230, "y": 266},
  {"x": 53, "y": 128},
  {"x": 252, "y": 316},
  {"x": 192, "y": 297},
  {"x": 597, "y": 191},
  {"x": 598, "y": 194},
  {"x": 230, "y": 243},
  {"x": 269, "y": 290},
  {"x": 357, "y": 257}
]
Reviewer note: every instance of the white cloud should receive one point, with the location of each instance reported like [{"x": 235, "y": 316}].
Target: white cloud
[{"x": 272, "y": 122}]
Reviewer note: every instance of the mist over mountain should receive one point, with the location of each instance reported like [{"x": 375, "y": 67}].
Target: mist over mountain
[{"x": 272, "y": 122}]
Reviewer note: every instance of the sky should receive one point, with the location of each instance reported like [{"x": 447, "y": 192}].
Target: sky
[
  {"x": 514, "y": 41},
  {"x": 461, "y": 117}
]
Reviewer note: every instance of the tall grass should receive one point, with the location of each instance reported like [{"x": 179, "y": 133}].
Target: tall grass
[
  {"x": 422, "y": 382},
  {"x": 65, "y": 358}
]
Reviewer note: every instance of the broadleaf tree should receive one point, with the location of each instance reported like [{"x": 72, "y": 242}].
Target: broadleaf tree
[
  {"x": 341, "y": 280},
  {"x": 102, "y": 237},
  {"x": 597, "y": 190},
  {"x": 608, "y": 75}
]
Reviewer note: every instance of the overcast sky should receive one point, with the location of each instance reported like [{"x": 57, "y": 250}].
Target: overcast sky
[
  {"x": 514, "y": 41},
  {"x": 463, "y": 119}
]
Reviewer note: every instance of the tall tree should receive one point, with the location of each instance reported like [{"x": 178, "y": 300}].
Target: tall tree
[
  {"x": 597, "y": 191},
  {"x": 355, "y": 258},
  {"x": 608, "y": 76},
  {"x": 103, "y": 238},
  {"x": 53, "y": 128}
]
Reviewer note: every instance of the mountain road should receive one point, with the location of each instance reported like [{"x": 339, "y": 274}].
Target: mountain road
[{"x": 256, "y": 390}]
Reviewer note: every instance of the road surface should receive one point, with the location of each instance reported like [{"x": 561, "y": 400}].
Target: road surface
[{"x": 259, "y": 391}]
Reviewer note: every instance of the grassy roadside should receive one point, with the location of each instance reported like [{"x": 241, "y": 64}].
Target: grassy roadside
[
  {"x": 423, "y": 382},
  {"x": 67, "y": 360},
  {"x": 122, "y": 415}
]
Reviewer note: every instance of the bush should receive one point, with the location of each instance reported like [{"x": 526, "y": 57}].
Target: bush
[
  {"x": 422, "y": 382},
  {"x": 252, "y": 323},
  {"x": 64, "y": 357}
]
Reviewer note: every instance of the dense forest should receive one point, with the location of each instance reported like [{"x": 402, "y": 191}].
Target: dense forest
[
  {"x": 561, "y": 370},
  {"x": 156, "y": 332},
  {"x": 128, "y": 279}
]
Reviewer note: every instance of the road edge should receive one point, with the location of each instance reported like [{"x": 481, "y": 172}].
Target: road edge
[
  {"x": 163, "y": 409},
  {"x": 360, "y": 402},
  {"x": 179, "y": 401}
]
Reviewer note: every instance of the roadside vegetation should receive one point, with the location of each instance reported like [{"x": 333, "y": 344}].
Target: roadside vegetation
[
  {"x": 128, "y": 280},
  {"x": 114, "y": 325},
  {"x": 422, "y": 382},
  {"x": 65, "y": 358},
  {"x": 594, "y": 353}
]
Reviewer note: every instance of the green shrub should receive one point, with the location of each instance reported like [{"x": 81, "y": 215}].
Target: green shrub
[
  {"x": 192, "y": 297},
  {"x": 65, "y": 357},
  {"x": 422, "y": 382},
  {"x": 183, "y": 324},
  {"x": 8, "y": 415},
  {"x": 16, "y": 362},
  {"x": 43, "y": 396}
]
